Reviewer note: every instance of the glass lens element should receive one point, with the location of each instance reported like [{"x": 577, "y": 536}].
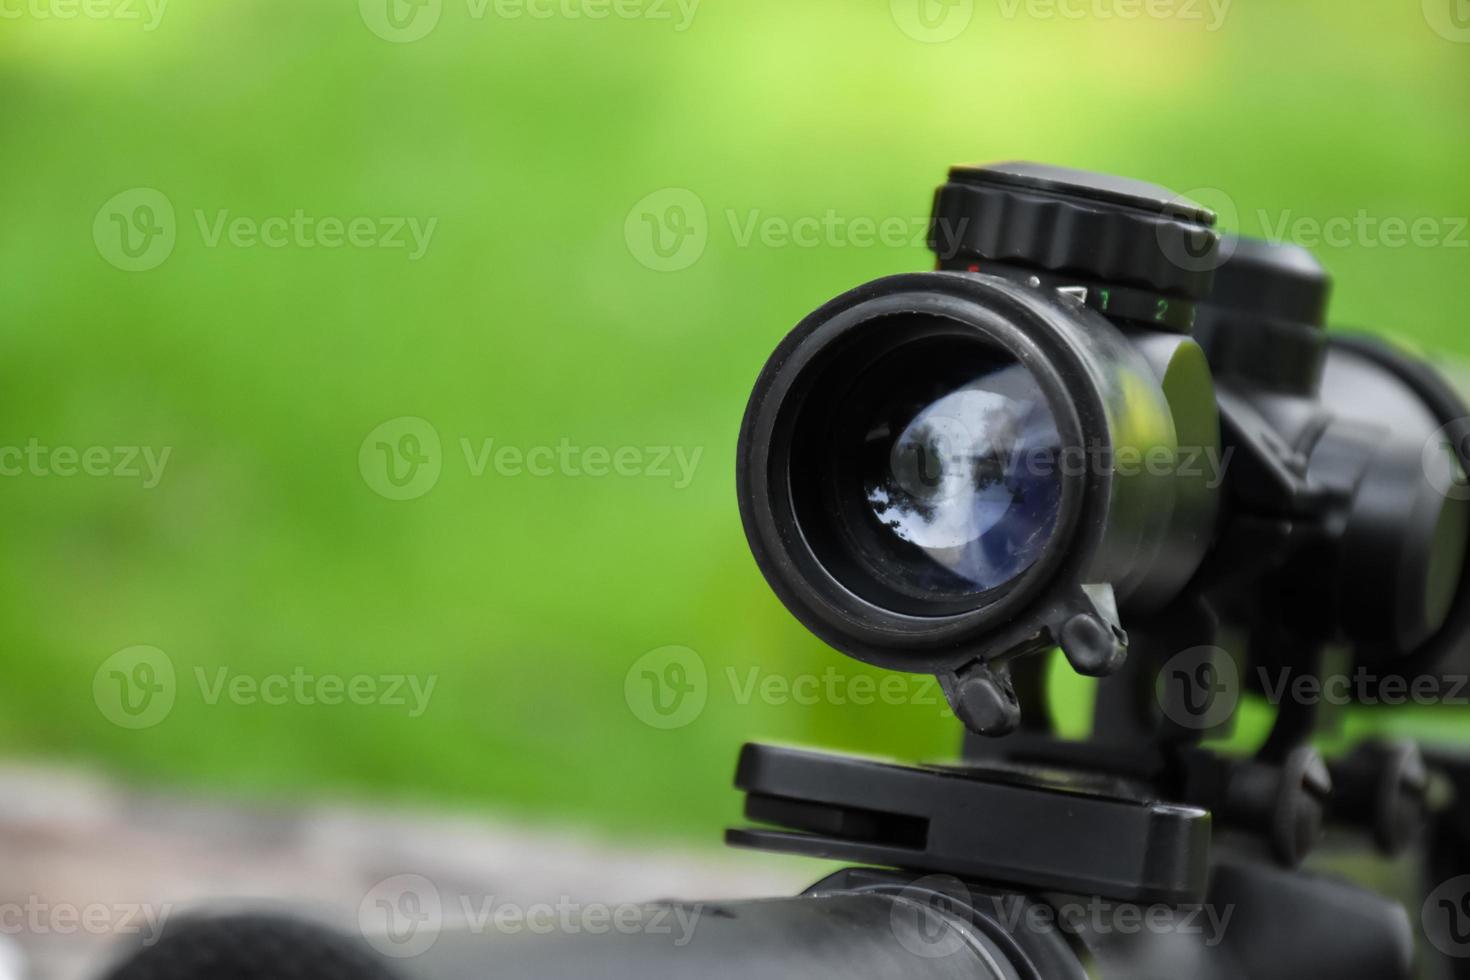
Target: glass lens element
[
  {"x": 961, "y": 472},
  {"x": 971, "y": 478},
  {"x": 924, "y": 473}
]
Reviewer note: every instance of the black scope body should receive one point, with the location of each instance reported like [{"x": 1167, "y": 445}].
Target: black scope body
[
  {"x": 1098, "y": 407},
  {"x": 857, "y": 924}
]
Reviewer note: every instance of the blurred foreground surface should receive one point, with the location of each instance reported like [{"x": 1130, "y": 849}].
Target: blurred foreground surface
[{"x": 90, "y": 866}]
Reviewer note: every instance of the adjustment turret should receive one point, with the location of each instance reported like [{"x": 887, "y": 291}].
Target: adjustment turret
[{"x": 1130, "y": 249}]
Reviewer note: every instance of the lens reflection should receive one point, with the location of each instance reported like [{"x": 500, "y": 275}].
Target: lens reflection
[
  {"x": 967, "y": 478},
  {"x": 924, "y": 468}
]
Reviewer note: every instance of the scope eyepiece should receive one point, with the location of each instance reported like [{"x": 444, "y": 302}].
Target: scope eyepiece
[{"x": 940, "y": 471}]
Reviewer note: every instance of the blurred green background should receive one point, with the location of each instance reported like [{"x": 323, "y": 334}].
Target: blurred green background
[{"x": 540, "y": 314}]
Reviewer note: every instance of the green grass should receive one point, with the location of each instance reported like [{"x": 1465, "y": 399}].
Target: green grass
[{"x": 529, "y": 321}]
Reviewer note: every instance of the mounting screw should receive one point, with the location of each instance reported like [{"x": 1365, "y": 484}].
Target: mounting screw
[
  {"x": 1284, "y": 803},
  {"x": 1301, "y": 805},
  {"x": 1382, "y": 787}
]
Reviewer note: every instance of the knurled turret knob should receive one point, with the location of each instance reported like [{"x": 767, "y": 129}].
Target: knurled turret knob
[{"x": 1104, "y": 229}]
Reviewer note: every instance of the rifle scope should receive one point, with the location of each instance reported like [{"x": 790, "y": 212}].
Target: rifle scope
[{"x": 1033, "y": 445}]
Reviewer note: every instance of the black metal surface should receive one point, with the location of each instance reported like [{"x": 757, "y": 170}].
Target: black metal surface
[
  {"x": 974, "y": 823},
  {"x": 1105, "y": 228},
  {"x": 873, "y": 934}
]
